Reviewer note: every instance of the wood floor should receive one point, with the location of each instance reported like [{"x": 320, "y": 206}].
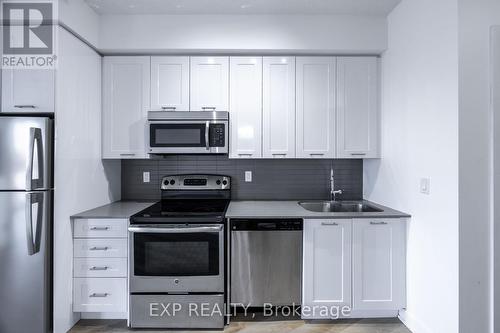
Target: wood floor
[{"x": 295, "y": 326}]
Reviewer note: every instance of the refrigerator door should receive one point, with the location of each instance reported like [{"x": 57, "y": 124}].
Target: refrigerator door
[
  {"x": 25, "y": 153},
  {"x": 25, "y": 287}
]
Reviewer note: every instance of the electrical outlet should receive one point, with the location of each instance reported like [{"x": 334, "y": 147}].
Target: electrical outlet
[
  {"x": 145, "y": 177},
  {"x": 425, "y": 185},
  {"x": 248, "y": 176}
]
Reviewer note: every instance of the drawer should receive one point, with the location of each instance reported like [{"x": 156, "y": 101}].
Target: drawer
[
  {"x": 100, "y": 228},
  {"x": 100, "y": 295},
  {"x": 100, "y": 248},
  {"x": 100, "y": 267}
]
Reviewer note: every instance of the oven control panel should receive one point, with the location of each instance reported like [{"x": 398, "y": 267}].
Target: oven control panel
[{"x": 196, "y": 182}]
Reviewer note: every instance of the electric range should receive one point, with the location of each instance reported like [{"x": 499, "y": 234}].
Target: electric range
[{"x": 177, "y": 254}]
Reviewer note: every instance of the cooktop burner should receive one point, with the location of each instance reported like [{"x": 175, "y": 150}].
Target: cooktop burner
[{"x": 191, "y": 207}]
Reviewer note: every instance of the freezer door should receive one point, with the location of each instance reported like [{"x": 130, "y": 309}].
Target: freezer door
[
  {"x": 25, "y": 153},
  {"x": 25, "y": 287}
]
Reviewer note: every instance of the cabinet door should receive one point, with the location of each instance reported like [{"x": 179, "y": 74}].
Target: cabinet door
[
  {"x": 126, "y": 86},
  {"x": 209, "y": 84},
  {"x": 170, "y": 83},
  {"x": 246, "y": 107},
  {"x": 28, "y": 90},
  {"x": 357, "y": 107},
  {"x": 327, "y": 265},
  {"x": 278, "y": 107},
  {"x": 315, "y": 107},
  {"x": 379, "y": 264}
]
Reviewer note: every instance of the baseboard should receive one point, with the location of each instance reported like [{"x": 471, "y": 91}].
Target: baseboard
[
  {"x": 103, "y": 315},
  {"x": 413, "y": 324}
]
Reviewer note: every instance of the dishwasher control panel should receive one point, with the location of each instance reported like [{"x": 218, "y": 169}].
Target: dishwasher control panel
[{"x": 266, "y": 224}]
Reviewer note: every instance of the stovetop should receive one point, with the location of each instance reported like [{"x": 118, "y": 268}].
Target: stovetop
[{"x": 183, "y": 211}]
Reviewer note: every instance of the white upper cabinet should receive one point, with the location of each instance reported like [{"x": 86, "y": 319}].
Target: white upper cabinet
[
  {"x": 170, "y": 83},
  {"x": 315, "y": 96},
  {"x": 246, "y": 107},
  {"x": 357, "y": 107},
  {"x": 126, "y": 96},
  {"x": 326, "y": 265},
  {"x": 28, "y": 90},
  {"x": 209, "y": 84},
  {"x": 278, "y": 107},
  {"x": 379, "y": 264}
]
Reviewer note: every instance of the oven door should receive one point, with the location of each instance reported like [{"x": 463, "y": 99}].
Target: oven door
[
  {"x": 176, "y": 258},
  {"x": 188, "y": 137}
]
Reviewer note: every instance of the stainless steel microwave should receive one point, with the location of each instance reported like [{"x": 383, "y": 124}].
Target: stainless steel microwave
[{"x": 195, "y": 132}]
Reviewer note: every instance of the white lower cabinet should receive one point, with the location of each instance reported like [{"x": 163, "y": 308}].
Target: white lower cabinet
[
  {"x": 378, "y": 256},
  {"x": 353, "y": 268},
  {"x": 326, "y": 267},
  {"x": 100, "y": 267}
]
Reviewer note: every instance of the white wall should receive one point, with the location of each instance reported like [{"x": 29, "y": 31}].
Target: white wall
[
  {"x": 420, "y": 139},
  {"x": 476, "y": 18},
  {"x": 82, "y": 179},
  {"x": 80, "y": 18},
  {"x": 245, "y": 33}
]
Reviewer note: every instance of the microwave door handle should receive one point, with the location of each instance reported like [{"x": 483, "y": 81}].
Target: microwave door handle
[
  {"x": 160, "y": 230},
  {"x": 207, "y": 135}
]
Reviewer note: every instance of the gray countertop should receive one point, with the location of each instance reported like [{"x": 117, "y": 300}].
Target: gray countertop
[
  {"x": 241, "y": 209},
  {"x": 275, "y": 209},
  {"x": 118, "y": 209}
]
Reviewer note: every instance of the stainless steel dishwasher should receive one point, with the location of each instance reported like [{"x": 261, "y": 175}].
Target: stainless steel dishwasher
[{"x": 266, "y": 261}]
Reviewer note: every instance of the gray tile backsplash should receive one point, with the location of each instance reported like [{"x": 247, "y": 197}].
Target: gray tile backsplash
[{"x": 272, "y": 179}]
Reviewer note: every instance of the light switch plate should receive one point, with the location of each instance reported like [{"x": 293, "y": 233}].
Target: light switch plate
[
  {"x": 425, "y": 185},
  {"x": 145, "y": 177},
  {"x": 248, "y": 176}
]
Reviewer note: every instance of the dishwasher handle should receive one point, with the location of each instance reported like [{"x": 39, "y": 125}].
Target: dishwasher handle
[{"x": 266, "y": 224}]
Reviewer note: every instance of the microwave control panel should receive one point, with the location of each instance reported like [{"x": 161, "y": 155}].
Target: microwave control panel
[{"x": 217, "y": 135}]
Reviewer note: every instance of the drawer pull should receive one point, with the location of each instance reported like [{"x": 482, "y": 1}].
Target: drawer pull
[
  {"x": 99, "y": 295},
  {"x": 329, "y": 223},
  {"x": 99, "y": 228},
  {"x": 316, "y": 155},
  {"x": 98, "y": 268},
  {"x": 99, "y": 248},
  {"x": 127, "y": 154},
  {"x": 208, "y": 108},
  {"x": 168, "y": 107},
  {"x": 378, "y": 223},
  {"x": 358, "y": 154},
  {"x": 25, "y": 106}
]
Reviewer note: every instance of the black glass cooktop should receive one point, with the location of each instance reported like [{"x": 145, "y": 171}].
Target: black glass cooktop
[{"x": 172, "y": 210}]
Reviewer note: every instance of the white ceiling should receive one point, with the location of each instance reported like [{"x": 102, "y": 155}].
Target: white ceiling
[{"x": 200, "y": 7}]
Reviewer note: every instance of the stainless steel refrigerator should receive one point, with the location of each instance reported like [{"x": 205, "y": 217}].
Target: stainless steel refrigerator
[{"x": 26, "y": 192}]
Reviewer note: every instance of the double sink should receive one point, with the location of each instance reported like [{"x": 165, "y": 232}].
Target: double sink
[{"x": 339, "y": 206}]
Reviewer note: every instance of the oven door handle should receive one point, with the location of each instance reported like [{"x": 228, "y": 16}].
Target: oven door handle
[{"x": 163, "y": 230}]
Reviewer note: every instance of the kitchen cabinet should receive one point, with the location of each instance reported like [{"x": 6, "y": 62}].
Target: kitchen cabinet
[
  {"x": 278, "y": 121},
  {"x": 326, "y": 265},
  {"x": 169, "y": 83},
  {"x": 28, "y": 90},
  {"x": 209, "y": 83},
  {"x": 100, "y": 266},
  {"x": 378, "y": 256},
  {"x": 315, "y": 95},
  {"x": 246, "y": 107},
  {"x": 357, "y": 107},
  {"x": 126, "y": 97}
]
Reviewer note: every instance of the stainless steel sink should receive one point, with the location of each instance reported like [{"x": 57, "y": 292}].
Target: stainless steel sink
[{"x": 339, "y": 206}]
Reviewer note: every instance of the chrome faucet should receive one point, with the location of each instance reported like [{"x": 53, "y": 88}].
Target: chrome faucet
[{"x": 333, "y": 192}]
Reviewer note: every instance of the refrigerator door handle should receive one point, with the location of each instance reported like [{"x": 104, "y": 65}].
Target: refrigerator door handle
[
  {"x": 35, "y": 137},
  {"x": 34, "y": 241}
]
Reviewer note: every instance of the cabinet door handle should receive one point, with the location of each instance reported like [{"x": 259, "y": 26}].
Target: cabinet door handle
[
  {"x": 99, "y": 248},
  {"x": 98, "y": 268},
  {"x": 329, "y": 223},
  {"x": 208, "y": 108},
  {"x": 99, "y": 228},
  {"x": 127, "y": 154},
  {"x": 25, "y": 106},
  {"x": 378, "y": 223},
  {"x": 99, "y": 295},
  {"x": 164, "y": 107}
]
